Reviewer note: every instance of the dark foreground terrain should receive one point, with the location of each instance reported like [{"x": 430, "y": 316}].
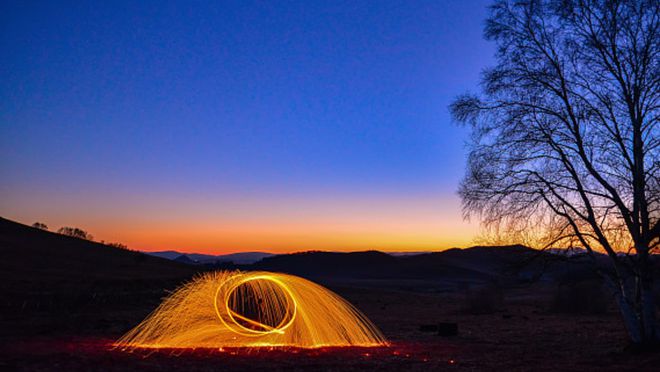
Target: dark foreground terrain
[{"x": 66, "y": 319}]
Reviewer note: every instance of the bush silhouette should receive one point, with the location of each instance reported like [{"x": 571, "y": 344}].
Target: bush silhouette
[
  {"x": 40, "y": 225},
  {"x": 118, "y": 245},
  {"x": 75, "y": 233}
]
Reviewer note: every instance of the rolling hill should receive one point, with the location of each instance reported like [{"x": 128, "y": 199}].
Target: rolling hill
[
  {"x": 474, "y": 265},
  {"x": 34, "y": 255}
]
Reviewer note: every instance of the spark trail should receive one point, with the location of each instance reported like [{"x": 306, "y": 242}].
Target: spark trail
[{"x": 252, "y": 309}]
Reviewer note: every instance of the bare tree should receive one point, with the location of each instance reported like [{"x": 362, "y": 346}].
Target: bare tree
[
  {"x": 75, "y": 232},
  {"x": 565, "y": 138}
]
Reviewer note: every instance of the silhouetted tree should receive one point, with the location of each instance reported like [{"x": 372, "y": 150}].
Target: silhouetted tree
[
  {"x": 75, "y": 232},
  {"x": 40, "y": 225},
  {"x": 565, "y": 137},
  {"x": 118, "y": 245}
]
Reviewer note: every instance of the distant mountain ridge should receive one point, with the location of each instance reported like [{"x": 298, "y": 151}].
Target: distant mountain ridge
[
  {"x": 240, "y": 258},
  {"x": 475, "y": 265},
  {"x": 247, "y": 258}
]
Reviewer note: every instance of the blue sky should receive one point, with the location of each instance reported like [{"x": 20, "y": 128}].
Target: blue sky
[{"x": 108, "y": 110}]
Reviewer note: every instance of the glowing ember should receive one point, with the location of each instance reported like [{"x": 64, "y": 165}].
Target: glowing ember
[{"x": 252, "y": 309}]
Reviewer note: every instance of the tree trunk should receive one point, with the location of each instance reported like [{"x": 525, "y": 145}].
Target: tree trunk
[
  {"x": 629, "y": 319},
  {"x": 639, "y": 316}
]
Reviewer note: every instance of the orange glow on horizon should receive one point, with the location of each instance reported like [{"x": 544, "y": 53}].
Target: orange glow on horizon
[{"x": 285, "y": 225}]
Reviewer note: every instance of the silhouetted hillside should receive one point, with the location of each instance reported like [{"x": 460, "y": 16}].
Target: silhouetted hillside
[
  {"x": 507, "y": 265},
  {"x": 51, "y": 283},
  {"x": 353, "y": 264},
  {"x": 472, "y": 265},
  {"x": 31, "y": 254}
]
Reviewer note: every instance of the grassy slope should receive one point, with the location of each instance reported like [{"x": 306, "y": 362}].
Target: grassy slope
[
  {"x": 51, "y": 284},
  {"x": 30, "y": 254}
]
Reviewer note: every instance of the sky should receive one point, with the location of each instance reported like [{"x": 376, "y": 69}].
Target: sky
[{"x": 227, "y": 126}]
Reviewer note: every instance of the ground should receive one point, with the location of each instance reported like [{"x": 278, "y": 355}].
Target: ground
[{"x": 516, "y": 329}]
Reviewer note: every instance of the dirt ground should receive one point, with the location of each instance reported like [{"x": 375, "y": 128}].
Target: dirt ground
[{"x": 515, "y": 330}]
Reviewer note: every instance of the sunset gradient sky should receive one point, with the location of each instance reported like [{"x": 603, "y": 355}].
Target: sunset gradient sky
[{"x": 218, "y": 127}]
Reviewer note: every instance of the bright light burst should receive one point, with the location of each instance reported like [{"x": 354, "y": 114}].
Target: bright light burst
[{"x": 252, "y": 309}]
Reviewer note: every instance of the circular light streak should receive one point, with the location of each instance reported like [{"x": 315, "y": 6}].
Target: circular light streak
[{"x": 234, "y": 325}]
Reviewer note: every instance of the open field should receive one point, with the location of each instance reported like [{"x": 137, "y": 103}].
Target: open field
[
  {"x": 520, "y": 331},
  {"x": 66, "y": 300}
]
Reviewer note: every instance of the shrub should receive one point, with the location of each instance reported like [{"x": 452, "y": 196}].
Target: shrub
[
  {"x": 75, "y": 232},
  {"x": 40, "y": 225},
  {"x": 118, "y": 245}
]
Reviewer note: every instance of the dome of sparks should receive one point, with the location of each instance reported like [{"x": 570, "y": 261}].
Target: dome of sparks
[{"x": 253, "y": 309}]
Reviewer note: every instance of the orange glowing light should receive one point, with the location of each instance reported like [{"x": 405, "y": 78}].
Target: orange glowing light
[{"x": 253, "y": 309}]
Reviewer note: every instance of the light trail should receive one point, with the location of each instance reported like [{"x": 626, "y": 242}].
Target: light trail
[{"x": 252, "y": 309}]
